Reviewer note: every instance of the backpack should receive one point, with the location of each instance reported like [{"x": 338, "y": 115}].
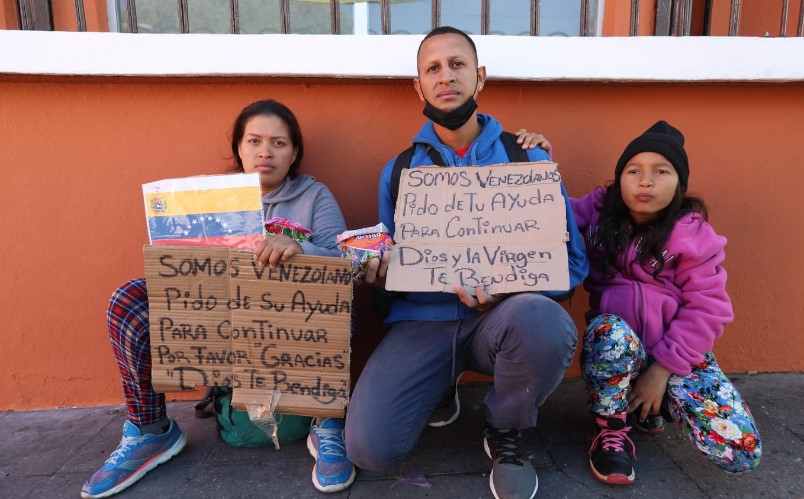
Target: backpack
[
  {"x": 514, "y": 151},
  {"x": 237, "y": 430}
]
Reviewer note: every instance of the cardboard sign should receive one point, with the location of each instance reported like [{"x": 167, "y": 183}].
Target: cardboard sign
[
  {"x": 277, "y": 336},
  {"x": 503, "y": 227}
]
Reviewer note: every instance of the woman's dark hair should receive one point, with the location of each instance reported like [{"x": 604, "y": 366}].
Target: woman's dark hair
[
  {"x": 618, "y": 231},
  {"x": 268, "y": 107}
]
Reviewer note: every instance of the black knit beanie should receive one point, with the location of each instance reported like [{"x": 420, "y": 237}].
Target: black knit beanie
[{"x": 665, "y": 140}]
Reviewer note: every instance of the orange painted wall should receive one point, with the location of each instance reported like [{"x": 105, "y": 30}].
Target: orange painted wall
[
  {"x": 763, "y": 17},
  {"x": 757, "y": 17},
  {"x": 75, "y": 152},
  {"x": 617, "y": 18},
  {"x": 8, "y": 15},
  {"x": 64, "y": 18}
]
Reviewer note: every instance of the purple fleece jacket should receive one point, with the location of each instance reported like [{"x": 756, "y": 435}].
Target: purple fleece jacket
[{"x": 679, "y": 316}]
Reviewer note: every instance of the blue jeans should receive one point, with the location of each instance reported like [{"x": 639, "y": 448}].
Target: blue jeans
[{"x": 526, "y": 342}]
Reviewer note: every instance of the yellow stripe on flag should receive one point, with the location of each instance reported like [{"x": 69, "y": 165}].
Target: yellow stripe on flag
[{"x": 159, "y": 204}]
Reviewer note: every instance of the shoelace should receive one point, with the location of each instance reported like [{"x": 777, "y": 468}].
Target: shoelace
[
  {"x": 331, "y": 442},
  {"x": 507, "y": 445},
  {"x": 121, "y": 450},
  {"x": 614, "y": 440}
]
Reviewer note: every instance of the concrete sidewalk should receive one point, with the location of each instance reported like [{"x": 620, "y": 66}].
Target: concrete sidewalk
[{"x": 49, "y": 454}]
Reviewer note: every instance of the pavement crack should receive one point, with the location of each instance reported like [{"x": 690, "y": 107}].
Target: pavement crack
[{"x": 790, "y": 430}]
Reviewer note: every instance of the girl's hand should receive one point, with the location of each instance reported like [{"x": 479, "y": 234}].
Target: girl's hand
[
  {"x": 648, "y": 391},
  {"x": 275, "y": 249},
  {"x": 531, "y": 140},
  {"x": 482, "y": 303}
]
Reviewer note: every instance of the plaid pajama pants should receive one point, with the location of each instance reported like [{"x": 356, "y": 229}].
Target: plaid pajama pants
[{"x": 130, "y": 335}]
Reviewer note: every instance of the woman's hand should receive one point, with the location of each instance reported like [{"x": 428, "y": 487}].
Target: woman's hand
[
  {"x": 532, "y": 140},
  {"x": 275, "y": 249},
  {"x": 648, "y": 391},
  {"x": 483, "y": 302}
]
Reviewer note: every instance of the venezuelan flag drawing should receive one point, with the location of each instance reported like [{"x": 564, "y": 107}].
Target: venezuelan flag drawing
[{"x": 211, "y": 210}]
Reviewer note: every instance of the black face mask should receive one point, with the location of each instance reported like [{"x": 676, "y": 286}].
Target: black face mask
[{"x": 454, "y": 119}]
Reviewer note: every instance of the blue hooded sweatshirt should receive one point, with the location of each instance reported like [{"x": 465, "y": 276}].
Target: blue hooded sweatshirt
[{"x": 487, "y": 149}]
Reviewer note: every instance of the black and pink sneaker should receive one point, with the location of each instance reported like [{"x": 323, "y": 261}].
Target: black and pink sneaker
[{"x": 612, "y": 453}]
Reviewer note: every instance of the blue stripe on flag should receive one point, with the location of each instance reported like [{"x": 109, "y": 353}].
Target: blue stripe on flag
[{"x": 205, "y": 225}]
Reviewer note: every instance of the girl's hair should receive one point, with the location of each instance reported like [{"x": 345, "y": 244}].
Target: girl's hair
[
  {"x": 618, "y": 231},
  {"x": 268, "y": 107}
]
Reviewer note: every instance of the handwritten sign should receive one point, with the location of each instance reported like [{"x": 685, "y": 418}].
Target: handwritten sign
[
  {"x": 217, "y": 319},
  {"x": 503, "y": 227}
]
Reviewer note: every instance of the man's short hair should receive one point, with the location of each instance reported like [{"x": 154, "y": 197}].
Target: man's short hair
[{"x": 448, "y": 30}]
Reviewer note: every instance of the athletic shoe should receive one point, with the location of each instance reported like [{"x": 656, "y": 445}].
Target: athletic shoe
[
  {"x": 512, "y": 476},
  {"x": 136, "y": 455},
  {"x": 653, "y": 424},
  {"x": 612, "y": 453},
  {"x": 448, "y": 410},
  {"x": 332, "y": 471}
]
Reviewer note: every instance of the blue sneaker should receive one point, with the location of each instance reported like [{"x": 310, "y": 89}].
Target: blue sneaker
[
  {"x": 136, "y": 455},
  {"x": 332, "y": 471}
]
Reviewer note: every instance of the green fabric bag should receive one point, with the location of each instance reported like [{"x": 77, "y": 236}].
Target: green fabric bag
[{"x": 236, "y": 429}]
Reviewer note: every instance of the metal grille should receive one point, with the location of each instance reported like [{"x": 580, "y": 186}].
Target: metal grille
[
  {"x": 586, "y": 29},
  {"x": 35, "y": 15},
  {"x": 673, "y": 17}
]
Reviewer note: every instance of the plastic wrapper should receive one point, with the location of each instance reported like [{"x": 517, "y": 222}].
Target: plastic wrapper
[
  {"x": 278, "y": 225},
  {"x": 264, "y": 418},
  {"x": 361, "y": 245}
]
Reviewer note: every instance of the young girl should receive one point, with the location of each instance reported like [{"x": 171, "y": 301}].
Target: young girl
[
  {"x": 266, "y": 139},
  {"x": 657, "y": 304}
]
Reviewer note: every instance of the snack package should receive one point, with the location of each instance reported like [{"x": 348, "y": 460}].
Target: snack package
[
  {"x": 278, "y": 225},
  {"x": 361, "y": 245}
]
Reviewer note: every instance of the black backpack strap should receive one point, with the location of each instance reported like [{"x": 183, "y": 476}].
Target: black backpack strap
[
  {"x": 514, "y": 151},
  {"x": 403, "y": 161},
  {"x": 435, "y": 157}
]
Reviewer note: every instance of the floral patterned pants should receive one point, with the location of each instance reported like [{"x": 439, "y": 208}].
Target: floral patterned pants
[{"x": 704, "y": 403}]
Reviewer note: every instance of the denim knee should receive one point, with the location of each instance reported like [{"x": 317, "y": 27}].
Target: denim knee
[{"x": 367, "y": 453}]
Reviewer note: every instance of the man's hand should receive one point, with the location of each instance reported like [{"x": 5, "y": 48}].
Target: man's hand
[
  {"x": 532, "y": 140},
  {"x": 483, "y": 302},
  {"x": 377, "y": 269},
  {"x": 648, "y": 391},
  {"x": 275, "y": 249}
]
